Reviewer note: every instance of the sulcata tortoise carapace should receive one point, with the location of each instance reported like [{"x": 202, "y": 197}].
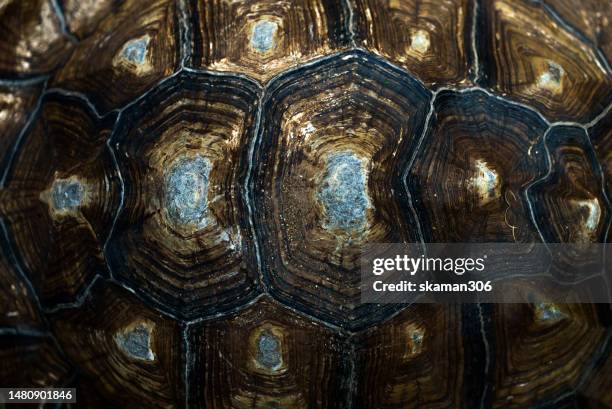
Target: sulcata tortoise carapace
[{"x": 187, "y": 186}]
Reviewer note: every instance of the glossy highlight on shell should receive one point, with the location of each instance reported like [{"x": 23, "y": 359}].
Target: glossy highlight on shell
[{"x": 187, "y": 188}]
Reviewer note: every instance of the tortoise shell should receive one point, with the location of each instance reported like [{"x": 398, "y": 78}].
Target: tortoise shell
[{"x": 186, "y": 187}]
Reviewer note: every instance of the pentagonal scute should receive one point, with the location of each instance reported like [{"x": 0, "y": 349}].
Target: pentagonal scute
[
  {"x": 530, "y": 57},
  {"x": 267, "y": 356},
  {"x": 333, "y": 141},
  {"x": 262, "y": 38},
  {"x": 472, "y": 168},
  {"x": 415, "y": 365},
  {"x": 61, "y": 192},
  {"x": 182, "y": 238},
  {"x": 142, "y": 49},
  {"x": 429, "y": 38}
]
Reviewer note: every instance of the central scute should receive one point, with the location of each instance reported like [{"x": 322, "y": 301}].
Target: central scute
[
  {"x": 343, "y": 192},
  {"x": 187, "y": 191}
]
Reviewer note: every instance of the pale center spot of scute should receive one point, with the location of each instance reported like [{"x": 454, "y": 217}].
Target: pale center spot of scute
[
  {"x": 593, "y": 213},
  {"x": 262, "y": 36},
  {"x": 136, "y": 342},
  {"x": 135, "y": 51},
  {"x": 187, "y": 191},
  {"x": 548, "y": 312},
  {"x": 415, "y": 340},
  {"x": 551, "y": 78},
  {"x": 486, "y": 181},
  {"x": 343, "y": 192},
  {"x": 269, "y": 351},
  {"x": 66, "y": 195},
  {"x": 420, "y": 41}
]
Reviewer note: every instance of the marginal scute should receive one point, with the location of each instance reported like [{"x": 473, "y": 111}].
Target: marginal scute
[
  {"x": 60, "y": 197},
  {"x": 530, "y": 57},
  {"x": 130, "y": 353},
  {"x": 262, "y": 38},
  {"x": 141, "y": 52},
  {"x": 327, "y": 179},
  {"x": 430, "y": 38},
  {"x": 182, "y": 238},
  {"x": 266, "y": 356},
  {"x": 469, "y": 176}
]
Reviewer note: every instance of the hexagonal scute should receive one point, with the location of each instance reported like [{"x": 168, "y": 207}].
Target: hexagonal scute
[
  {"x": 570, "y": 202},
  {"x": 60, "y": 196},
  {"x": 527, "y": 55},
  {"x": 267, "y": 356},
  {"x": 130, "y": 354},
  {"x": 543, "y": 352},
  {"x": 470, "y": 173},
  {"x": 31, "y": 38},
  {"x": 261, "y": 38},
  {"x": 140, "y": 52},
  {"x": 333, "y": 141},
  {"x": 415, "y": 360},
  {"x": 182, "y": 238},
  {"x": 429, "y": 38}
]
